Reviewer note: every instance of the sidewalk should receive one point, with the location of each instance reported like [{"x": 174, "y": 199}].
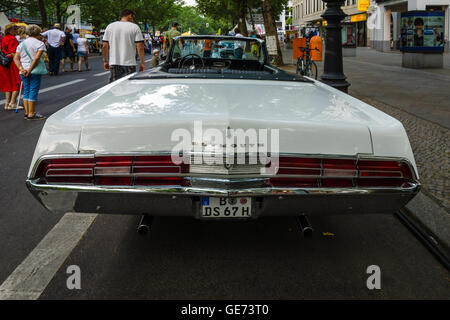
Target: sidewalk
[
  {"x": 379, "y": 75},
  {"x": 420, "y": 99}
]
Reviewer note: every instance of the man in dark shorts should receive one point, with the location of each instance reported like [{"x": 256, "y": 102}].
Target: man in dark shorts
[
  {"x": 120, "y": 41},
  {"x": 68, "y": 50}
]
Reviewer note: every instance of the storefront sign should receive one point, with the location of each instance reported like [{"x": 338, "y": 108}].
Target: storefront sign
[
  {"x": 363, "y": 5},
  {"x": 358, "y": 17},
  {"x": 422, "y": 31}
]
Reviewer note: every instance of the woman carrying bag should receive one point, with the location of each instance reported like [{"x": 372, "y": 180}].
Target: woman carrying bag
[
  {"x": 9, "y": 75},
  {"x": 28, "y": 59}
]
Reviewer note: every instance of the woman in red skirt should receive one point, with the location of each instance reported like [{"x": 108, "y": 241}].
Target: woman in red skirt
[{"x": 9, "y": 76}]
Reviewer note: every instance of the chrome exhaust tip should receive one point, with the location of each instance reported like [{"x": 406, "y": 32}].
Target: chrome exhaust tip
[
  {"x": 305, "y": 226},
  {"x": 144, "y": 225}
]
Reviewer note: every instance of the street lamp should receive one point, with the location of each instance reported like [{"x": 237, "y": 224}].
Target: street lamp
[{"x": 333, "y": 73}]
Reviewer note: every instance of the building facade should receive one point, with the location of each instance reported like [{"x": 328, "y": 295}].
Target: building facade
[
  {"x": 285, "y": 20},
  {"x": 384, "y": 20},
  {"x": 307, "y": 15}
]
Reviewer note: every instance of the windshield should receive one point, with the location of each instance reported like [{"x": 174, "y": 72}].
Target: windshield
[{"x": 210, "y": 48}]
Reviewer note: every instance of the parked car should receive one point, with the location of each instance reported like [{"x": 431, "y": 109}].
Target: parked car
[{"x": 119, "y": 149}]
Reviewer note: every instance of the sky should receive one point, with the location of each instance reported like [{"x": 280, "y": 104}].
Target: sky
[{"x": 190, "y": 2}]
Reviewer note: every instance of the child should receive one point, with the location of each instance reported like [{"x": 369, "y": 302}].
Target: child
[{"x": 155, "y": 60}]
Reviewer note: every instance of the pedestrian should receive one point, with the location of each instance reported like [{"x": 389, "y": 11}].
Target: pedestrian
[
  {"x": 238, "y": 45},
  {"x": 75, "y": 36},
  {"x": 9, "y": 75},
  {"x": 55, "y": 38},
  {"x": 68, "y": 50},
  {"x": 156, "y": 59},
  {"x": 31, "y": 67},
  {"x": 170, "y": 35},
  {"x": 147, "y": 42},
  {"x": 120, "y": 41},
  {"x": 146, "y": 47},
  {"x": 21, "y": 34},
  {"x": 83, "y": 51}
]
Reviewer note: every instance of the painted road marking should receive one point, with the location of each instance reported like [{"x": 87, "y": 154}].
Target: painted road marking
[
  {"x": 34, "y": 274},
  {"x": 101, "y": 74},
  {"x": 55, "y": 87}
]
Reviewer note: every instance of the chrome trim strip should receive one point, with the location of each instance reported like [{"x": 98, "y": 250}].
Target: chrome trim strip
[{"x": 260, "y": 191}]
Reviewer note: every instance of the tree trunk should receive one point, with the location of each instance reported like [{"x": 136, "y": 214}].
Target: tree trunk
[
  {"x": 251, "y": 18},
  {"x": 242, "y": 24},
  {"x": 58, "y": 12},
  {"x": 271, "y": 29},
  {"x": 41, "y": 4}
]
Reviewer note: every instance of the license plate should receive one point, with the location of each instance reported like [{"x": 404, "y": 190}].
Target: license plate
[{"x": 214, "y": 207}]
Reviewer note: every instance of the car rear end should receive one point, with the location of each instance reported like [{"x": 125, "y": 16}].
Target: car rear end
[{"x": 154, "y": 184}]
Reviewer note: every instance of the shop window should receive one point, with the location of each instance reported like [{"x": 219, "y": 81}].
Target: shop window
[{"x": 349, "y": 35}]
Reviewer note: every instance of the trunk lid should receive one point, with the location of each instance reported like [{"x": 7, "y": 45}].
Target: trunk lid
[{"x": 142, "y": 115}]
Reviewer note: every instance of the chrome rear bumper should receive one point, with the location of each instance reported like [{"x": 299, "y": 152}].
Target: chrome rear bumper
[{"x": 185, "y": 201}]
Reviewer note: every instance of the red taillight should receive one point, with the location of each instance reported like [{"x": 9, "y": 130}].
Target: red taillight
[
  {"x": 340, "y": 173},
  {"x": 113, "y": 171},
  {"x": 291, "y": 172}
]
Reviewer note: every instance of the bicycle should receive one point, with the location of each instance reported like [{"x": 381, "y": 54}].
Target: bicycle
[{"x": 305, "y": 65}]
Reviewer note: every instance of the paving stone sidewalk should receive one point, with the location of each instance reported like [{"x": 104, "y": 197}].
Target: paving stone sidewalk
[{"x": 429, "y": 139}]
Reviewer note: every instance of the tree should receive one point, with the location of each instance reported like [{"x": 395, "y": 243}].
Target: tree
[
  {"x": 43, "y": 12},
  {"x": 271, "y": 28},
  {"x": 234, "y": 11},
  {"x": 8, "y": 5},
  {"x": 156, "y": 13}
]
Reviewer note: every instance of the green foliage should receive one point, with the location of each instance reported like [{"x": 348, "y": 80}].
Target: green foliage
[
  {"x": 7, "y": 5},
  {"x": 191, "y": 18},
  {"x": 158, "y": 14}
]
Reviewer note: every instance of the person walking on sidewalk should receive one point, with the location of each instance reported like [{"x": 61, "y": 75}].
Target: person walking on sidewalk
[
  {"x": 27, "y": 59},
  {"x": 172, "y": 33},
  {"x": 55, "y": 38},
  {"x": 68, "y": 50},
  {"x": 120, "y": 41},
  {"x": 9, "y": 75},
  {"x": 83, "y": 51},
  {"x": 75, "y": 36}
]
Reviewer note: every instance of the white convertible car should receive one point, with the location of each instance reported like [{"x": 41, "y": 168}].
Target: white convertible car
[{"x": 214, "y": 133}]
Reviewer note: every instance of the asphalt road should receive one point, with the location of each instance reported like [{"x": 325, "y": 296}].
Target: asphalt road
[{"x": 188, "y": 259}]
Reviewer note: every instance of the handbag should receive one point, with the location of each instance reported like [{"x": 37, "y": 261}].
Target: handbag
[
  {"x": 40, "y": 68},
  {"x": 4, "y": 59}
]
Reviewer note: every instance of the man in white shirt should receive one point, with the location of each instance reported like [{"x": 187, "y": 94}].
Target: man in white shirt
[
  {"x": 120, "y": 41},
  {"x": 55, "y": 38}
]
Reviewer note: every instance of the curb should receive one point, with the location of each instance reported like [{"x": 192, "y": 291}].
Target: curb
[{"x": 432, "y": 217}]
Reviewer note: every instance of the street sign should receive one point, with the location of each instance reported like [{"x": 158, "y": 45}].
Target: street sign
[
  {"x": 358, "y": 17},
  {"x": 363, "y": 5}
]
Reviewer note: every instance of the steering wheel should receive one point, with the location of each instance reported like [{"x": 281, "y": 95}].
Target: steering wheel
[{"x": 193, "y": 57}]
